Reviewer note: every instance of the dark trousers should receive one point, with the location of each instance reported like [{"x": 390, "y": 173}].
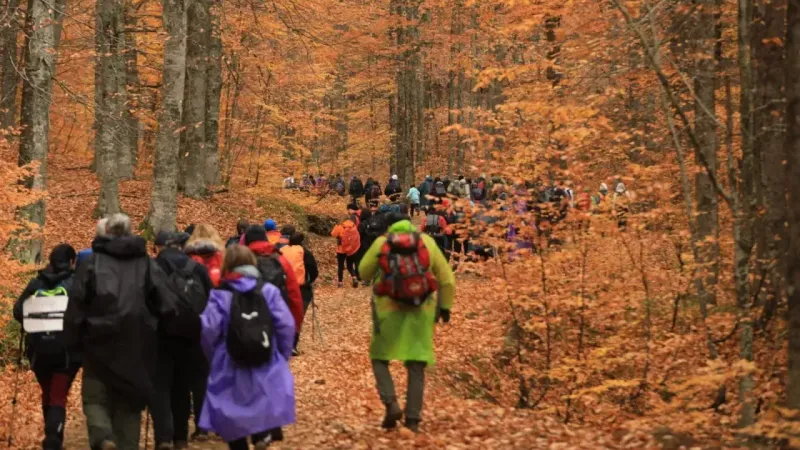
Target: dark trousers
[
  {"x": 415, "y": 209},
  {"x": 415, "y": 391},
  {"x": 180, "y": 383},
  {"x": 55, "y": 384},
  {"x": 109, "y": 416},
  {"x": 241, "y": 444},
  {"x": 350, "y": 261}
]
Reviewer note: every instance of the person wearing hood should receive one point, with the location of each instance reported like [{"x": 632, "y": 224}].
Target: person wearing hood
[
  {"x": 206, "y": 247},
  {"x": 256, "y": 241},
  {"x": 241, "y": 227},
  {"x": 53, "y": 362},
  {"x": 182, "y": 368},
  {"x": 119, "y": 300},
  {"x": 403, "y": 332},
  {"x": 247, "y": 401},
  {"x": 620, "y": 205},
  {"x": 426, "y": 189},
  {"x": 348, "y": 241},
  {"x": 414, "y": 199},
  {"x": 393, "y": 189}
]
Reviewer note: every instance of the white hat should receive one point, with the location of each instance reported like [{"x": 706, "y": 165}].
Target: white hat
[
  {"x": 620, "y": 188},
  {"x": 394, "y": 177}
]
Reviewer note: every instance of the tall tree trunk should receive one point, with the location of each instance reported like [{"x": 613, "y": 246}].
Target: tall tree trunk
[
  {"x": 706, "y": 153},
  {"x": 110, "y": 97},
  {"x": 163, "y": 203},
  {"x": 793, "y": 150},
  {"x": 130, "y": 129},
  {"x": 9, "y": 77},
  {"x": 213, "y": 94},
  {"x": 194, "y": 98},
  {"x": 43, "y": 31},
  {"x": 768, "y": 128}
]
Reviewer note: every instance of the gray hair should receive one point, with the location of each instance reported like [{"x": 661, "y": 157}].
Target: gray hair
[
  {"x": 101, "y": 227},
  {"x": 118, "y": 225}
]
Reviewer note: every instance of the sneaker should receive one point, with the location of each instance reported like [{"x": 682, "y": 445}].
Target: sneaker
[
  {"x": 413, "y": 425},
  {"x": 200, "y": 435},
  {"x": 263, "y": 444},
  {"x": 180, "y": 445},
  {"x": 108, "y": 445},
  {"x": 393, "y": 414}
]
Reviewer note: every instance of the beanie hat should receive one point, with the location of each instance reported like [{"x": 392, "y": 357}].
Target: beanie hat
[
  {"x": 254, "y": 233},
  {"x": 394, "y": 177},
  {"x": 163, "y": 238},
  {"x": 270, "y": 225},
  {"x": 61, "y": 257}
]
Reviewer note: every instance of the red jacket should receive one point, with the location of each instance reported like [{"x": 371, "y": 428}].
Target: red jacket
[{"x": 295, "y": 300}]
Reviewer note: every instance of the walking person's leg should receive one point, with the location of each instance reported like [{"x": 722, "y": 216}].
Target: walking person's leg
[
  {"x": 126, "y": 422},
  {"x": 340, "y": 259},
  {"x": 415, "y": 394},
  {"x": 97, "y": 409},
  {"x": 161, "y": 408},
  {"x": 385, "y": 385},
  {"x": 353, "y": 269},
  {"x": 199, "y": 385},
  {"x": 180, "y": 400}
]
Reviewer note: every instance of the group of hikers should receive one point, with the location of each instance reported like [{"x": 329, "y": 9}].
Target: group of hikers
[{"x": 206, "y": 328}]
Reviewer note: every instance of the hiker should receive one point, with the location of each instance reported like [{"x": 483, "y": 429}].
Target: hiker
[
  {"x": 435, "y": 225},
  {"x": 425, "y": 189},
  {"x": 182, "y": 368},
  {"x": 356, "y": 189},
  {"x": 118, "y": 301},
  {"x": 601, "y": 195},
  {"x": 205, "y": 246},
  {"x": 413, "y": 200},
  {"x": 286, "y": 233},
  {"x": 373, "y": 192},
  {"x": 439, "y": 191},
  {"x": 288, "y": 182},
  {"x": 85, "y": 253},
  {"x": 393, "y": 189},
  {"x": 250, "y": 386},
  {"x": 348, "y": 242},
  {"x": 478, "y": 190},
  {"x": 54, "y": 363},
  {"x": 446, "y": 182},
  {"x": 339, "y": 185},
  {"x": 305, "y": 270},
  {"x": 354, "y": 213},
  {"x": 277, "y": 270},
  {"x": 241, "y": 227},
  {"x": 620, "y": 205},
  {"x": 405, "y": 311},
  {"x": 459, "y": 188},
  {"x": 273, "y": 234}
]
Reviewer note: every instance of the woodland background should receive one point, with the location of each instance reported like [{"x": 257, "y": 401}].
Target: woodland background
[{"x": 683, "y": 329}]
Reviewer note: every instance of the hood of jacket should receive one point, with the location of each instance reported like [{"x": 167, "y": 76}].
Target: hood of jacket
[
  {"x": 348, "y": 224},
  {"x": 404, "y": 226},
  {"x": 123, "y": 247},
  {"x": 201, "y": 247},
  {"x": 51, "y": 278},
  {"x": 262, "y": 248},
  {"x": 172, "y": 256}
]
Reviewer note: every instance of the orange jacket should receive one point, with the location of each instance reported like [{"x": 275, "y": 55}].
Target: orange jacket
[{"x": 347, "y": 238}]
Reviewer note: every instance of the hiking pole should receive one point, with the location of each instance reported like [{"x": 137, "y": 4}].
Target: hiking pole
[
  {"x": 316, "y": 326},
  {"x": 16, "y": 389}
]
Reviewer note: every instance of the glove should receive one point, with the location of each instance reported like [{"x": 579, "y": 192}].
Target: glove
[{"x": 444, "y": 315}]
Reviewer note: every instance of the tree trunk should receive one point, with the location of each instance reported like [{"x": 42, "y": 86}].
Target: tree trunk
[
  {"x": 110, "y": 97},
  {"x": 130, "y": 129},
  {"x": 213, "y": 93},
  {"x": 9, "y": 78},
  {"x": 194, "y": 98},
  {"x": 768, "y": 126},
  {"x": 706, "y": 153},
  {"x": 163, "y": 204},
  {"x": 793, "y": 150},
  {"x": 43, "y": 31}
]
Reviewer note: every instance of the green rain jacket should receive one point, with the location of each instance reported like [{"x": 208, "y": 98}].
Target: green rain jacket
[{"x": 400, "y": 332}]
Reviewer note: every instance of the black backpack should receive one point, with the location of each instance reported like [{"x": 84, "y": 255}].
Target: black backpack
[
  {"x": 374, "y": 191},
  {"x": 48, "y": 347},
  {"x": 375, "y": 226},
  {"x": 272, "y": 272},
  {"x": 192, "y": 299},
  {"x": 251, "y": 331},
  {"x": 356, "y": 187}
]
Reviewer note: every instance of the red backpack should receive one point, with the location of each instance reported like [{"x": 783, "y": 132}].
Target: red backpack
[{"x": 406, "y": 263}]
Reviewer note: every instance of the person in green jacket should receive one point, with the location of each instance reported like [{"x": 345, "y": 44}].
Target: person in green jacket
[{"x": 405, "y": 333}]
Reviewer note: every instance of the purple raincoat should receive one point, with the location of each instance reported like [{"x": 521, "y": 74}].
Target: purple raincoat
[{"x": 243, "y": 401}]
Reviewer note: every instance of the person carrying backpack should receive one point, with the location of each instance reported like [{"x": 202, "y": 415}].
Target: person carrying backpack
[
  {"x": 393, "y": 189},
  {"x": 54, "y": 363},
  {"x": 273, "y": 234},
  {"x": 348, "y": 242},
  {"x": 119, "y": 300},
  {"x": 435, "y": 225},
  {"x": 439, "y": 191},
  {"x": 277, "y": 270},
  {"x": 307, "y": 276},
  {"x": 241, "y": 227},
  {"x": 373, "y": 194},
  {"x": 356, "y": 189},
  {"x": 409, "y": 271},
  {"x": 205, "y": 246},
  {"x": 354, "y": 213},
  {"x": 247, "y": 334},
  {"x": 182, "y": 368},
  {"x": 413, "y": 199}
]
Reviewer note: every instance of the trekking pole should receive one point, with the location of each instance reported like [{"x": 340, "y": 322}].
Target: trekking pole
[
  {"x": 16, "y": 389},
  {"x": 317, "y": 327}
]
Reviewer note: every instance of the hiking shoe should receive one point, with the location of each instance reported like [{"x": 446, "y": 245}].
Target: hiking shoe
[
  {"x": 108, "y": 445},
  {"x": 263, "y": 444},
  {"x": 365, "y": 283},
  {"x": 340, "y": 285},
  {"x": 295, "y": 352},
  {"x": 393, "y": 414},
  {"x": 355, "y": 282},
  {"x": 413, "y": 425},
  {"x": 200, "y": 435},
  {"x": 180, "y": 445},
  {"x": 277, "y": 434}
]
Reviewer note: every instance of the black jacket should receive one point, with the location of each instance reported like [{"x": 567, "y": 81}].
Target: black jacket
[
  {"x": 356, "y": 187},
  {"x": 170, "y": 257},
  {"x": 117, "y": 300},
  {"x": 47, "y": 279},
  {"x": 392, "y": 188},
  {"x": 312, "y": 269}
]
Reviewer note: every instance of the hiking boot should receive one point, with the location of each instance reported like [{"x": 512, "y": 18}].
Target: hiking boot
[
  {"x": 277, "y": 434},
  {"x": 340, "y": 285},
  {"x": 200, "y": 435},
  {"x": 263, "y": 444},
  {"x": 108, "y": 445},
  {"x": 295, "y": 352},
  {"x": 180, "y": 445},
  {"x": 355, "y": 282},
  {"x": 393, "y": 414},
  {"x": 413, "y": 425}
]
